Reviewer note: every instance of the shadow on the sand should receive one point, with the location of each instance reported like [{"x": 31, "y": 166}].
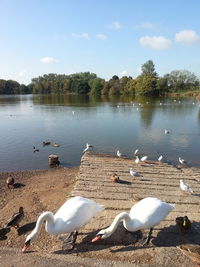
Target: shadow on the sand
[
  {"x": 18, "y": 185},
  {"x": 167, "y": 237},
  {"x": 3, "y": 237},
  {"x": 170, "y": 236},
  {"x": 196, "y": 195},
  {"x": 120, "y": 237},
  {"x": 124, "y": 182},
  {"x": 26, "y": 228}
]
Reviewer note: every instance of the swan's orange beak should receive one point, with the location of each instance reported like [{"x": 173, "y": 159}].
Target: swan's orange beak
[
  {"x": 98, "y": 237},
  {"x": 25, "y": 248}
]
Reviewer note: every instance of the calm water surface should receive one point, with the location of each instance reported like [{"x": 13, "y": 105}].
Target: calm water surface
[{"x": 122, "y": 123}]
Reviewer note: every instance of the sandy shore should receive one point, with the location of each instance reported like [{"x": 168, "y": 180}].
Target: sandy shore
[
  {"x": 35, "y": 191},
  {"x": 38, "y": 191}
]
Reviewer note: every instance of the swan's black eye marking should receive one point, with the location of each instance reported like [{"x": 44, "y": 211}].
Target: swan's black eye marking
[{"x": 27, "y": 243}]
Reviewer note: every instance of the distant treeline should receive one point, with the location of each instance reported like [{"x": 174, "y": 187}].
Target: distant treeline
[{"x": 147, "y": 83}]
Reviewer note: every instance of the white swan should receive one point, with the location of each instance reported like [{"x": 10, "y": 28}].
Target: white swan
[
  {"x": 145, "y": 214},
  {"x": 70, "y": 217}
]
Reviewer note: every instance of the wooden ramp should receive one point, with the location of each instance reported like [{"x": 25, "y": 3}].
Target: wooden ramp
[{"x": 157, "y": 180}]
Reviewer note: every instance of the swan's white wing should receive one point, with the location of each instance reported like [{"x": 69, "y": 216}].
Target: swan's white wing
[
  {"x": 149, "y": 212},
  {"x": 75, "y": 213}
]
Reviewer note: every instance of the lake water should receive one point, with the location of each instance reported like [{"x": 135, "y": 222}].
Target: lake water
[{"x": 118, "y": 123}]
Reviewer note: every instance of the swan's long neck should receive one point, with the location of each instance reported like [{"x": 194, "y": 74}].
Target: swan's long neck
[
  {"x": 123, "y": 216},
  {"x": 45, "y": 216}
]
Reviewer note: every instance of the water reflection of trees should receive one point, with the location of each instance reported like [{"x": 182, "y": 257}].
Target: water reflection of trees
[
  {"x": 14, "y": 99},
  {"x": 147, "y": 106},
  {"x": 78, "y": 100},
  {"x": 167, "y": 106},
  {"x": 62, "y": 100}
]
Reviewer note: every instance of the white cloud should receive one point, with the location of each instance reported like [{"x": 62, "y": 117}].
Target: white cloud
[
  {"x": 116, "y": 25},
  {"x": 187, "y": 37},
  {"x": 48, "y": 60},
  {"x": 83, "y": 35},
  {"x": 155, "y": 42},
  {"x": 22, "y": 73},
  {"x": 123, "y": 73},
  {"x": 146, "y": 25},
  {"x": 101, "y": 36}
]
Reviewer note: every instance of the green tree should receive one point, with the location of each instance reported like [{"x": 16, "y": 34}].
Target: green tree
[
  {"x": 182, "y": 80},
  {"x": 122, "y": 83},
  {"x": 96, "y": 86},
  {"x": 162, "y": 85},
  {"x": 148, "y": 69},
  {"x": 105, "y": 89},
  {"x": 130, "y": 87},
  {"x": 146, "y": 85},
  {"x": 23, "y": 89},
  {"x": 2, "y": 86},
  {"x": 12, "y": 87}
]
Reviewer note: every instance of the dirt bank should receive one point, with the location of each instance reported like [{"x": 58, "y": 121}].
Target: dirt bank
[{"x": 35, "y": 191}]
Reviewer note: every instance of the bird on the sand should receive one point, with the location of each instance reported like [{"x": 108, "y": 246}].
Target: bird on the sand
[
  {"x": 133, "y": 172},
  {"x": 10, "y": 181},
  {"x": 15, "y": 219},
  {"x": 145, "y": 214},
  {"x": 185, "y": 187},
  {"x": 115, "y": 178},
  {"x": 183, "y": 224},
  {"x": 137, "y": 160},
  {"x": 71, "y": 216},
  {"x": 119, "y": 154},
  {"x": 144, "y": 158},
  {"x": 160, "y": 158},
  {"x": 88, "y": 146},
  {"x": 182, "y": 161},
  {"x": 136, "y": 151}
]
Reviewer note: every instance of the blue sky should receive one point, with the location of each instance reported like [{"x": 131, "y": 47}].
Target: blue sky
[{"x": 106, "y": 37}]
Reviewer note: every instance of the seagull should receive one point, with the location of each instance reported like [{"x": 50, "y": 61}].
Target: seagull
[
  {"x": 134, "y": 172},
  {"x": 185, "y": 187},
  {"x": 182, "y": 161},
  {"x": 73, "y": 112},
  {"x": 167, "y": 131},
  {"x": 160, "y": 158},
  {"x": 136, "y": 151},
  {"x": 119, "y": 154},
  {"x": 35, "y": 149},
  {"x": 144, "y": 158},
  {"x": 137, "y": 159},
  {"x": 88, "y": 146}
]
